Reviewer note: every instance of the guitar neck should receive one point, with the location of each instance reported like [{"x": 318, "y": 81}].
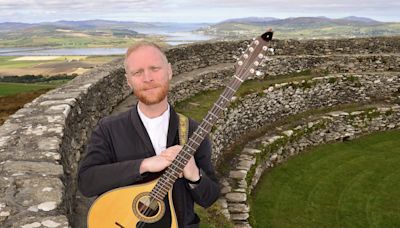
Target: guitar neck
[{"x": 245, "y": 66}]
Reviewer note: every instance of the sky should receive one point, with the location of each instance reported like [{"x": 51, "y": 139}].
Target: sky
[{"x": 33, "y": 11}]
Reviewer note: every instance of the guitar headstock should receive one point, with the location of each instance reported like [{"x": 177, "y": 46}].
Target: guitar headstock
[{"x": 253, "y": 56}]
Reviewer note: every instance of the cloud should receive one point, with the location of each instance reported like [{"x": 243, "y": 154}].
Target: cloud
[{"x": 183, "y": 10}]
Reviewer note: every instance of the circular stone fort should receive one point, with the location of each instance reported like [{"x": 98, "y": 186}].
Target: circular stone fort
[{"x": 42, "y": 144}]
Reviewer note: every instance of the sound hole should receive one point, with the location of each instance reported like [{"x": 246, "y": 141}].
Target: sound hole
[{"x": 148, "y": 207}]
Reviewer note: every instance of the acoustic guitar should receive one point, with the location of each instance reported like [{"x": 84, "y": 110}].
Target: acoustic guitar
[{"x": 150, "y": 204}]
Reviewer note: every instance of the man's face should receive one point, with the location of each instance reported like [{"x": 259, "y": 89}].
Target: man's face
[{"x": 148, "y": 74}]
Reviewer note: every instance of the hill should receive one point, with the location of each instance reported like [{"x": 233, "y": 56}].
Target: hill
[
  {"x": 304, "y": 27},
  {"x": 89, "y": 33}
]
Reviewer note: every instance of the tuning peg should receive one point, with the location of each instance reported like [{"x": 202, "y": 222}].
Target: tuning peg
[
  {"x": 256, "y": 63},
  {"x": 252, "y": 70},
  {"x": 256, "y": 42},
  {"x": 260, "y": 56},
  {"x": 245, "y": 56}
]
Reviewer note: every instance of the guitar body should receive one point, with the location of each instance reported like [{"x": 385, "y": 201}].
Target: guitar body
[{"x": 132, "y": 207}]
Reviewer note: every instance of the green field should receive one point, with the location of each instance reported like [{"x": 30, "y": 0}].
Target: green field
[
  {"x": 90, "y": 41},
  {"x": 8, "y": 89},
  {"x": 351, "y": 184},
  {"x": 7, "y": 63}
]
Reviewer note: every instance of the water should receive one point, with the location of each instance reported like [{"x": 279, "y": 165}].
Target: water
[
  {"x": 172, "y": 38},
  {"x": 186, "y": 37},
  {"x": 43, "y": 51}
]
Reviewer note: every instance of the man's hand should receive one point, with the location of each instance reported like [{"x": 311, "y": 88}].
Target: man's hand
[
  {"x": 191, "y": 171},
  {"x": 160, "y": 162}
]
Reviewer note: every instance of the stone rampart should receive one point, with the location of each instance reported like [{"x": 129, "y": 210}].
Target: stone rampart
[
  {"x": 42, "y": 143},
  {"x": 277, "y": 148}
]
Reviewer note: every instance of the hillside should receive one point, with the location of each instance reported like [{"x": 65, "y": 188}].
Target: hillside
[
  {"x": 90, "y": 33},
  {"x": 304, "y": 27}
]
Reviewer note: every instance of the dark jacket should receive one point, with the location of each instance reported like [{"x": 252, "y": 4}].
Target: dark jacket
[{"x": 116, "y": 149}]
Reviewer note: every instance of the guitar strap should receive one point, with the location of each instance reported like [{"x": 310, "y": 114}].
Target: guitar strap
[{"x": 183, "y": 129}]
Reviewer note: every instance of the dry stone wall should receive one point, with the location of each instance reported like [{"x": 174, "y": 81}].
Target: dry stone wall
[
  {"x": 281, "y": 100},
  {"x": 42, "y": 143},
  {"x": 275, "y": 149}
]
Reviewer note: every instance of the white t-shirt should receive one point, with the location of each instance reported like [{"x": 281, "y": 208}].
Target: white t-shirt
[{"x": 157, "y": 128}]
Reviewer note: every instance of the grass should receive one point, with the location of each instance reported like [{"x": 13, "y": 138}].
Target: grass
[
  {"x": 8, "y": 89},
  {"x": 212, "y": 217},
  {"x": 91, "y": 41},
  {"x": 197, "y": 106},
  {"x": 13, "y": 96},
  {"x": 6, "y": 63},
  {"x": 352, "y": 184}
]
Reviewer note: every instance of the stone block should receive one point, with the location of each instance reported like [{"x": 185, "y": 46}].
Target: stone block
[{"x": 236, "y": 197}]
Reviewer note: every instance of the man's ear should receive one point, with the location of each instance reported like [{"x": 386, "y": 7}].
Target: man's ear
[
  {"x": 169, "y": 71},
  {"x": 127, "y": 82}
]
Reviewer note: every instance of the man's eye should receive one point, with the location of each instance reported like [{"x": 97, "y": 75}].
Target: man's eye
[
  {"x": 136, "y": 73},
  {"x": 155, "y": 68}
]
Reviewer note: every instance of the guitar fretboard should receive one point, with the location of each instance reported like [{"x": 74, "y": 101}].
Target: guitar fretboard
[{"x": 245, "y": 66}]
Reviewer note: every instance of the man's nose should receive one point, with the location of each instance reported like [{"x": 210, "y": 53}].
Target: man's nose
[{"x": 147, "y": 75}]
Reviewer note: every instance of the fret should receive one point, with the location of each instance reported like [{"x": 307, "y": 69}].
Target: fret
[
  {"x": 228, "y": 87},
  {"x": 200, "y": 136},
  {"x": 156, "y": 196},
  {"x": 162, "y": 187},
  {"x": 241, "y": 80},
  {"x": 174, "y": 171},
  {"x": 161, "y": 183},
  {"x": 187, "y": 156},
  {"x": 219, "y": 106},
  {"x": 190, "y": 147},
  {"x": 195, "y": 142},
  {"x": 180, "y": 163},
  {"x": 224, "y": 98},
  {"x": 213, "y": 114},
  {"x": 156, "y": 190},
  {"x": 207, "y": 122},
  {"x": 170, "y": 180},
  {"x": 202, "y": 128}
]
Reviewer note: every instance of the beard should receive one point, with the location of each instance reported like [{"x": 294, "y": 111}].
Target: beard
[{"x": 152, "y": 97}]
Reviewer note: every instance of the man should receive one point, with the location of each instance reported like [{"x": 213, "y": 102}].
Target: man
[{"x": 138, "y": 145}]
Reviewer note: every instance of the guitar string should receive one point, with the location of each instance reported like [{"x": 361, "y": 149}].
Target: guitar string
[
  {"x": 235, "y": 80},
  {"x": 160, "y": 186}
]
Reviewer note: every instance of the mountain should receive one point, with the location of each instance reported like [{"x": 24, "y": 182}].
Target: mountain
[
  {"x": 250, "y": 20},
  {"x": 88, "y": 33},
  {"x": 6, "y": 26},
  {"x": 361, "y": 19}
]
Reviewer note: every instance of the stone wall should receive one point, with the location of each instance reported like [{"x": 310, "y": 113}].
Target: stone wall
[
  {"x": 42, "y": 143},
  {"x": 279, "y": 65},
  {"x": 275, "y": 149},
  {"x": 253, "y": 111}
]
